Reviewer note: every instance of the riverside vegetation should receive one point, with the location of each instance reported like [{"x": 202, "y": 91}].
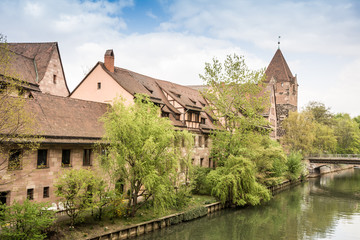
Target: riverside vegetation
[{"x": 143, "y": 152}]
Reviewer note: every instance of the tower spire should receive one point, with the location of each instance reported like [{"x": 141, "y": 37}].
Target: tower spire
[{"x": 279, "y": 42}]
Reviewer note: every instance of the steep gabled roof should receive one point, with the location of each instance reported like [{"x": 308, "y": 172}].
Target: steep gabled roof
[
  {"x": 279, "y": 69},
  {"x": 29, "y": 62},
  {"x": 39, "y": 52},
  {"x": 135, "y": 83},
  {"x": 64, "y": 117}
]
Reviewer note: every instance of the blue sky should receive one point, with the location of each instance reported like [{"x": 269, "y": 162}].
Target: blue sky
[{"x": 172, "y": 40}]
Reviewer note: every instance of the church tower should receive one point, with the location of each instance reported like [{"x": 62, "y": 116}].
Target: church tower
[{"x": 285, "y": 85}]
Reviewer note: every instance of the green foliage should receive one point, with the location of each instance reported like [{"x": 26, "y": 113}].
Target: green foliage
[
  {"x": 199, "y": 183},
  {"x": 294, "y": 165},
  {"x": 235, "y": 182},
  {"x": 17, "y": 124},
  {"x": 142, "y": 150},
  {"x": 234, "y": 92},
  {"x": 195, "y": 213},
  {"x": 347, "y": 134},
  {"x": 325, "y": 140},
  {"x": 182, "y": 197},
  {"x": 300, "y": 132},
  {"x": 244, "y": 155},
  {"x": 80, "y": 189},
  {"x": 320, "y": 113},
  {"x": 25, "y": 221}
]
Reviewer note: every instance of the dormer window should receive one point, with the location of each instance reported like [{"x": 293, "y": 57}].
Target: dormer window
[
  {"x": 164, "y": 114},
  {"x": 193, "y": 102},
  {"x": 176, "y": 94},
  {"x": 99, "y": 85},
  {"x": 203, "y": 120}
]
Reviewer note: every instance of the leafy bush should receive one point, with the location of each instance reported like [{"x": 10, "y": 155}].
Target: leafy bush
[
  {"x": 195, "y": 213},
  {"x": 176, "y": 219},
  {"x": 25, "y": 221},
  {"x": 182, "y": 198},
  {"x": 294, "y": 165},
  {"x": 199, "y": 183}
]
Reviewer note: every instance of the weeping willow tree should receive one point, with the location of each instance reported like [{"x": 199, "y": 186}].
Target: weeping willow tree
[
  {"x": 143, "y": 149},
  {"x": 236, "y": 183},
  {"x": 245, "y": 156}
]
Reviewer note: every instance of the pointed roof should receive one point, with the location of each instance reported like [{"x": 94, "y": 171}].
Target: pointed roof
[
  {"x": 279, "y": 69},
  {"x": 29, "y": 61}
]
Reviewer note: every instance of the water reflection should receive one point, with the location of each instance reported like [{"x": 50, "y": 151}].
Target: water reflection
[{"x": 322, "y": 208}]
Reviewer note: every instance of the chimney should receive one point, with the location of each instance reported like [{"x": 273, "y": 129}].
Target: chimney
[{"x": 109, "y": 60}]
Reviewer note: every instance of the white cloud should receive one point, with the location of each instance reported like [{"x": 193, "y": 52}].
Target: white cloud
[
  {"x": 320, "y": 39},
  {"x": 33, "y": 9},
  {"x": 150, "y": 14}
]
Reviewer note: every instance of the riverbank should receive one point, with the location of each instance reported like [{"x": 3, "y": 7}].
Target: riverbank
[
  {"x": 159, "y": 223},
  {"x": 126, "y": 230}
]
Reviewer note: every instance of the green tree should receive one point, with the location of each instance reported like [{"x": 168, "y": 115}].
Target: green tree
[
  {"x": 17, "y": 124},
  {"x": 28, "y": 220},
  {"x": 347, "y": 133},
  {"x": 76, "y": 188},
  {"x": 320, "y": 113},
  {"x": 241, "y": 146},
  {"x": 142, "y": 149},
  {"x": 235, "y": 93},
  {"x": 294, "y": 165},
  {"x": 325, "y": 140},
  {"x": 236, "y": 183},
  {"x": 299, "y": 132}
]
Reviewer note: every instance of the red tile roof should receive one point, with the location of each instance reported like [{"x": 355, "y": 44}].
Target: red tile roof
[
  {"x": 64, "y": 117},
  {"x": 137, "y": 83},
  {"x": 279, "y": 69}
]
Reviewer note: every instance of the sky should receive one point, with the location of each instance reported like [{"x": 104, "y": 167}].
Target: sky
[{"x": 172, "y": 39}]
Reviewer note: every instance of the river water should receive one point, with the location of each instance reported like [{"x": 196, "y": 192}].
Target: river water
[{"x": 321, "y": 208}]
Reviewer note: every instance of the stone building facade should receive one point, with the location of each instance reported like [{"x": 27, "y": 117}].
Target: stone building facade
[
  {"x": 184, "y": 106},
  {"x": 285, "y": 85},
  {"x": 39, "y": 66},
  {"x": 69, "y": 129}
]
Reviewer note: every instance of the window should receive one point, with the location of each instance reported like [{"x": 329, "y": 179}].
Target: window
[
  {"x": 3, "y": 197},
  {"x": 177, "y": 116},
  {"x": 197, "y": 117},
  {"x": 206, "y": 141},
  {"x": 99, "y": 85},
  {"x": 189, "y": 116},
  {"x": 203, "y": 120},
  {"x": 54, "y": 78},
  {"x": 15, "y": 159},
  {"x": 201, "y": 162},
  {"x": 209, "y": 162},
  {"x": 164, "y": 114},
  {"x": 65, "y": 161},
  {"x": 30, "y": 194},
  {"x": 86, "y": 159},
  {"x": 200, "y": 141},
  {"x": 42, "y": 158},
  {"x": 46, "y": 192}
]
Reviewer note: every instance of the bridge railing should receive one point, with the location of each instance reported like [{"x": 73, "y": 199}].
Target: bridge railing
[{"x": 334, "y": 155}]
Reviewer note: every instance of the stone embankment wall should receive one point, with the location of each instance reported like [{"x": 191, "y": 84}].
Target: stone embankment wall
[{"x": 145, "y": 227}]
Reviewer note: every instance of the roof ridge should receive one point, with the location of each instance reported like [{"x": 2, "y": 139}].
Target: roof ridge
[{"x": 72, "y": 99}]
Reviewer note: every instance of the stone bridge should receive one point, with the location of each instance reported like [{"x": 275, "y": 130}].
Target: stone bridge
[
  {"x": 352, "y": 159},
  {"x": 325, "y": 163}
]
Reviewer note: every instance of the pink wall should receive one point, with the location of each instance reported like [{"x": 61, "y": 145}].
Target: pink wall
[{"x": 110, "y": 89}]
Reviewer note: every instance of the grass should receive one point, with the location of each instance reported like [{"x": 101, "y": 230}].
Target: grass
[{"x": 91, "y": 228}]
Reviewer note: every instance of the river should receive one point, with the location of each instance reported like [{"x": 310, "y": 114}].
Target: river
[{"x": 321, "y": 208}]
